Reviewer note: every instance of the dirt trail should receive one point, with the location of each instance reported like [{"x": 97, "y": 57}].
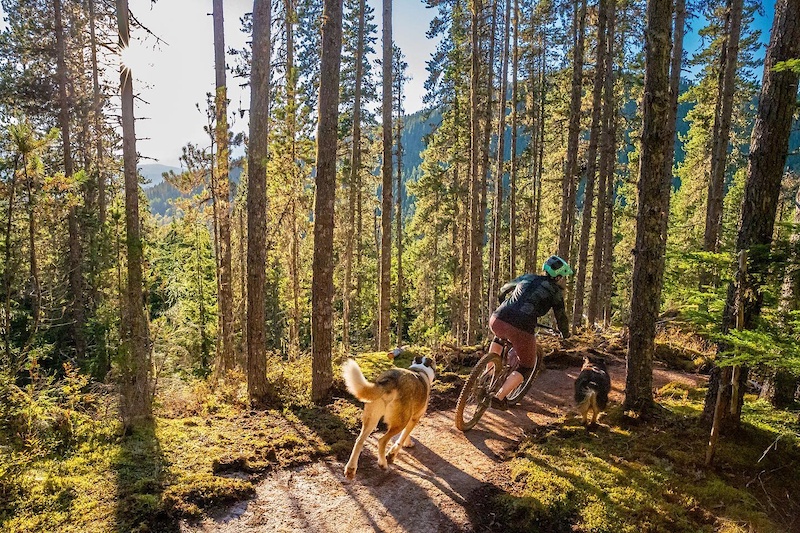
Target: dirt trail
[{"x": 430, "y": 485}]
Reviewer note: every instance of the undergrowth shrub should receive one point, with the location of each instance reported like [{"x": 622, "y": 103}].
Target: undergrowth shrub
[{"x": 45, "y": 416}]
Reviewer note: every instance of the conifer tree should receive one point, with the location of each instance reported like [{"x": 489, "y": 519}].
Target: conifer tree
[
  {"x": 769, "y": 148},
  {"x": 384, "y": 284},
  {"x": 256, "y": 203},
  {"x": 136, "y": 385},
  {"x": 322, "y": 284},
  {"x": 653, "y": 207}
]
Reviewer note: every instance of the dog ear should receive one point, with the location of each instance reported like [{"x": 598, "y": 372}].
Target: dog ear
[
  {"x": 418, "y": 360},
  {"x": 427, "y": 361}
]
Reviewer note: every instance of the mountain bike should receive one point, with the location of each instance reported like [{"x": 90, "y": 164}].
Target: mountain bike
[{"x": 485, "y": 380}]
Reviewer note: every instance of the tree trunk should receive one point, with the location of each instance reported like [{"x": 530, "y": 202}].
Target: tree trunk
[
  {"x": 540, "y": 155},
  {"x": 653, "y": 207},
  {"x": 569, "y": 183},
  {"x": 355, "y": 164},
  {"x": 399, "y": 80},
  {"x": 386, "y": 192},
  {"x": 74, "y": 256},
  {"x": 137, "y": 394},
  {"x": 484, "y": 170},
  {"x": 591, "y": 165},
  {"x": 512, "y": 188},
  {"x": 769, "y": 145},
  {"x": 34, "y": 265},
  {"x": 291, "y": 118},
  {"x": 780, "y": 385},
  {"x": 722, "y": 126},
  {"x": 476, "y": 224},
  {"x": 8, "y": 271},
  {"x": 605, "y": 184},
  {"x": 494, "y": 277},
  {"x": 322, "y": 283},
  {"x": 227, "y": 361},
  {"x": 258, "y": 154},
  {"x": 98, "y": 129},
  {"x": 676, "y": 63}
]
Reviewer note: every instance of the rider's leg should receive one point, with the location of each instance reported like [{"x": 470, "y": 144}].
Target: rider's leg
[
  {"x": 524, "y": 351},
  {"x": 512, "y": 382}
]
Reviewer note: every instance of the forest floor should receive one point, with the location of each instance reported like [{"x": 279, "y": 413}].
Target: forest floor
[{"x": 443, "y": 484}]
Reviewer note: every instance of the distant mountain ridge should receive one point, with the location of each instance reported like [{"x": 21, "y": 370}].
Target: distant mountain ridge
[
  {"x": 153, "y": 173},
  {"x": 162, "y": 193}
]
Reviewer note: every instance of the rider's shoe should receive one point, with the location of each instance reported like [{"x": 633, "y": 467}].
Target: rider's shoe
[{"x": 497, "y": 403}]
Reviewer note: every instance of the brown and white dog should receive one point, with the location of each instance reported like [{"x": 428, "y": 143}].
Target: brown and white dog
[
  {"x": 399, "y": 396},
  {"x": 592, "y": 387}
]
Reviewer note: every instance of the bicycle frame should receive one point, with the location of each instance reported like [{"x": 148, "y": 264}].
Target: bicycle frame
[{"x": 486, "y": 378}]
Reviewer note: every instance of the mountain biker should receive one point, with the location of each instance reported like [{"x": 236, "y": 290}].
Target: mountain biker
[{"x": 528, "y": 297}]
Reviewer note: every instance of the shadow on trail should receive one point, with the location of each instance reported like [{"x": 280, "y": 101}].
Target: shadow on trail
[
  {"x": 140, "y": 468},
  {"x": 417, "y": 473}
]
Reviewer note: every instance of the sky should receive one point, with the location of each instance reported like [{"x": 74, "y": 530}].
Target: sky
[{"x": 172, "y": 78}]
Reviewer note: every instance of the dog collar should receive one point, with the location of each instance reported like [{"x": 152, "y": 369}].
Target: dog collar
[{"x": 420, "y": 369}]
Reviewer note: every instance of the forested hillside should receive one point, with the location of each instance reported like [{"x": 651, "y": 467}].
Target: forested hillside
[{"x": 172, "y": 338}]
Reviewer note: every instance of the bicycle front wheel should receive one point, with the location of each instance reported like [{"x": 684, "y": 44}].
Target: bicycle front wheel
[
  {"x": 478, "y": 390},
  {"x": 517, "y": 394}
]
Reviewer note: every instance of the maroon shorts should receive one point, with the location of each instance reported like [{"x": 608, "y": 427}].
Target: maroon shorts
[{"x": 523, "y": 342}]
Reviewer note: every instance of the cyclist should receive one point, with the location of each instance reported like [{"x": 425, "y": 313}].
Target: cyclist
[{"x": 528, "y": 297}]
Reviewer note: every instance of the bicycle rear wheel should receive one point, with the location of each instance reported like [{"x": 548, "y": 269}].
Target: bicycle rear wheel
[
  {"x": 478, "y": 390},
  {"x": 517, "y": 394}
]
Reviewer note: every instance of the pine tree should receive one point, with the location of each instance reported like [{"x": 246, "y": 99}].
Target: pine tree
[
  {"x": 769, "y": 148},
  {"x": 256, "y": 203},
  {"x": 653, "y": 208},
  {"x": 322, "y": 284},
  {"x": 136, "y": 382}
]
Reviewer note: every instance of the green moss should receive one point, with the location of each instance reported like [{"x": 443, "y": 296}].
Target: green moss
[{"x": 651, "y": 476}]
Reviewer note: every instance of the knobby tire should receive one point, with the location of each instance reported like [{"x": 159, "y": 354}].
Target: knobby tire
[{"x": 477, "y": 391}]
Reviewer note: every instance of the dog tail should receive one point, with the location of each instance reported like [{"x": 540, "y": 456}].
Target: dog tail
[
  {"x": 589, "y": 401},
  {"x": 357, "y": 384}
]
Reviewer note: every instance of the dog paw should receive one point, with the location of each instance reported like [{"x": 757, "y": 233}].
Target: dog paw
[
  {"x": 408, "y": 443},
  {"x": 350, "y": 473}
]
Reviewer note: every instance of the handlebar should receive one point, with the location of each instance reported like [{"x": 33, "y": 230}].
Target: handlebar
[{"x": 554, "y": 330}]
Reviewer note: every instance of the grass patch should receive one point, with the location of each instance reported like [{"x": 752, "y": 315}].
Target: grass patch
[{"x": 652, "y": 477}]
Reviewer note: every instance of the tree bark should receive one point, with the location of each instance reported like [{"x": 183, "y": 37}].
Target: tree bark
[
  {"x": 721, "y": 133},
  {"x": 591, "y": 165},
  {"x": 569, "y": 182},
  {"x": 227, "y": 361},
  {"x": 355, "y": 170},
  {"x": 398, "y": 65},
  {"x": 137, "y": 394},
  {"x": 258, "y": 154},
  {"x": 653, "y": 208},
  {"x": 476, "y": 224},
  {"x": 769, "y": 145},
  {"x": 322, "y": 282},
  {"x": 499, "y": 192},
  {"x": 512, "y": 189},
  {"x": 75, "y": 274},
  {"x": 98, "y": 130},
  {"x": 605, "y": 187},
  {"x": 386, "y": 192},
  {"x": 484, "y": 171}
]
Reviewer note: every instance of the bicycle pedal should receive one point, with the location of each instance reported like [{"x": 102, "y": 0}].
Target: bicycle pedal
[{"x": 497, "y": 403}]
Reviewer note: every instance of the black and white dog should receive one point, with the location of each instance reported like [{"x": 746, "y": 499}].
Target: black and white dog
[{"x": 592, "y": 387}]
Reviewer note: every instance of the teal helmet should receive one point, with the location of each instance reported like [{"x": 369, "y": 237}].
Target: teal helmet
[{"x": 555, "y": 266}]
